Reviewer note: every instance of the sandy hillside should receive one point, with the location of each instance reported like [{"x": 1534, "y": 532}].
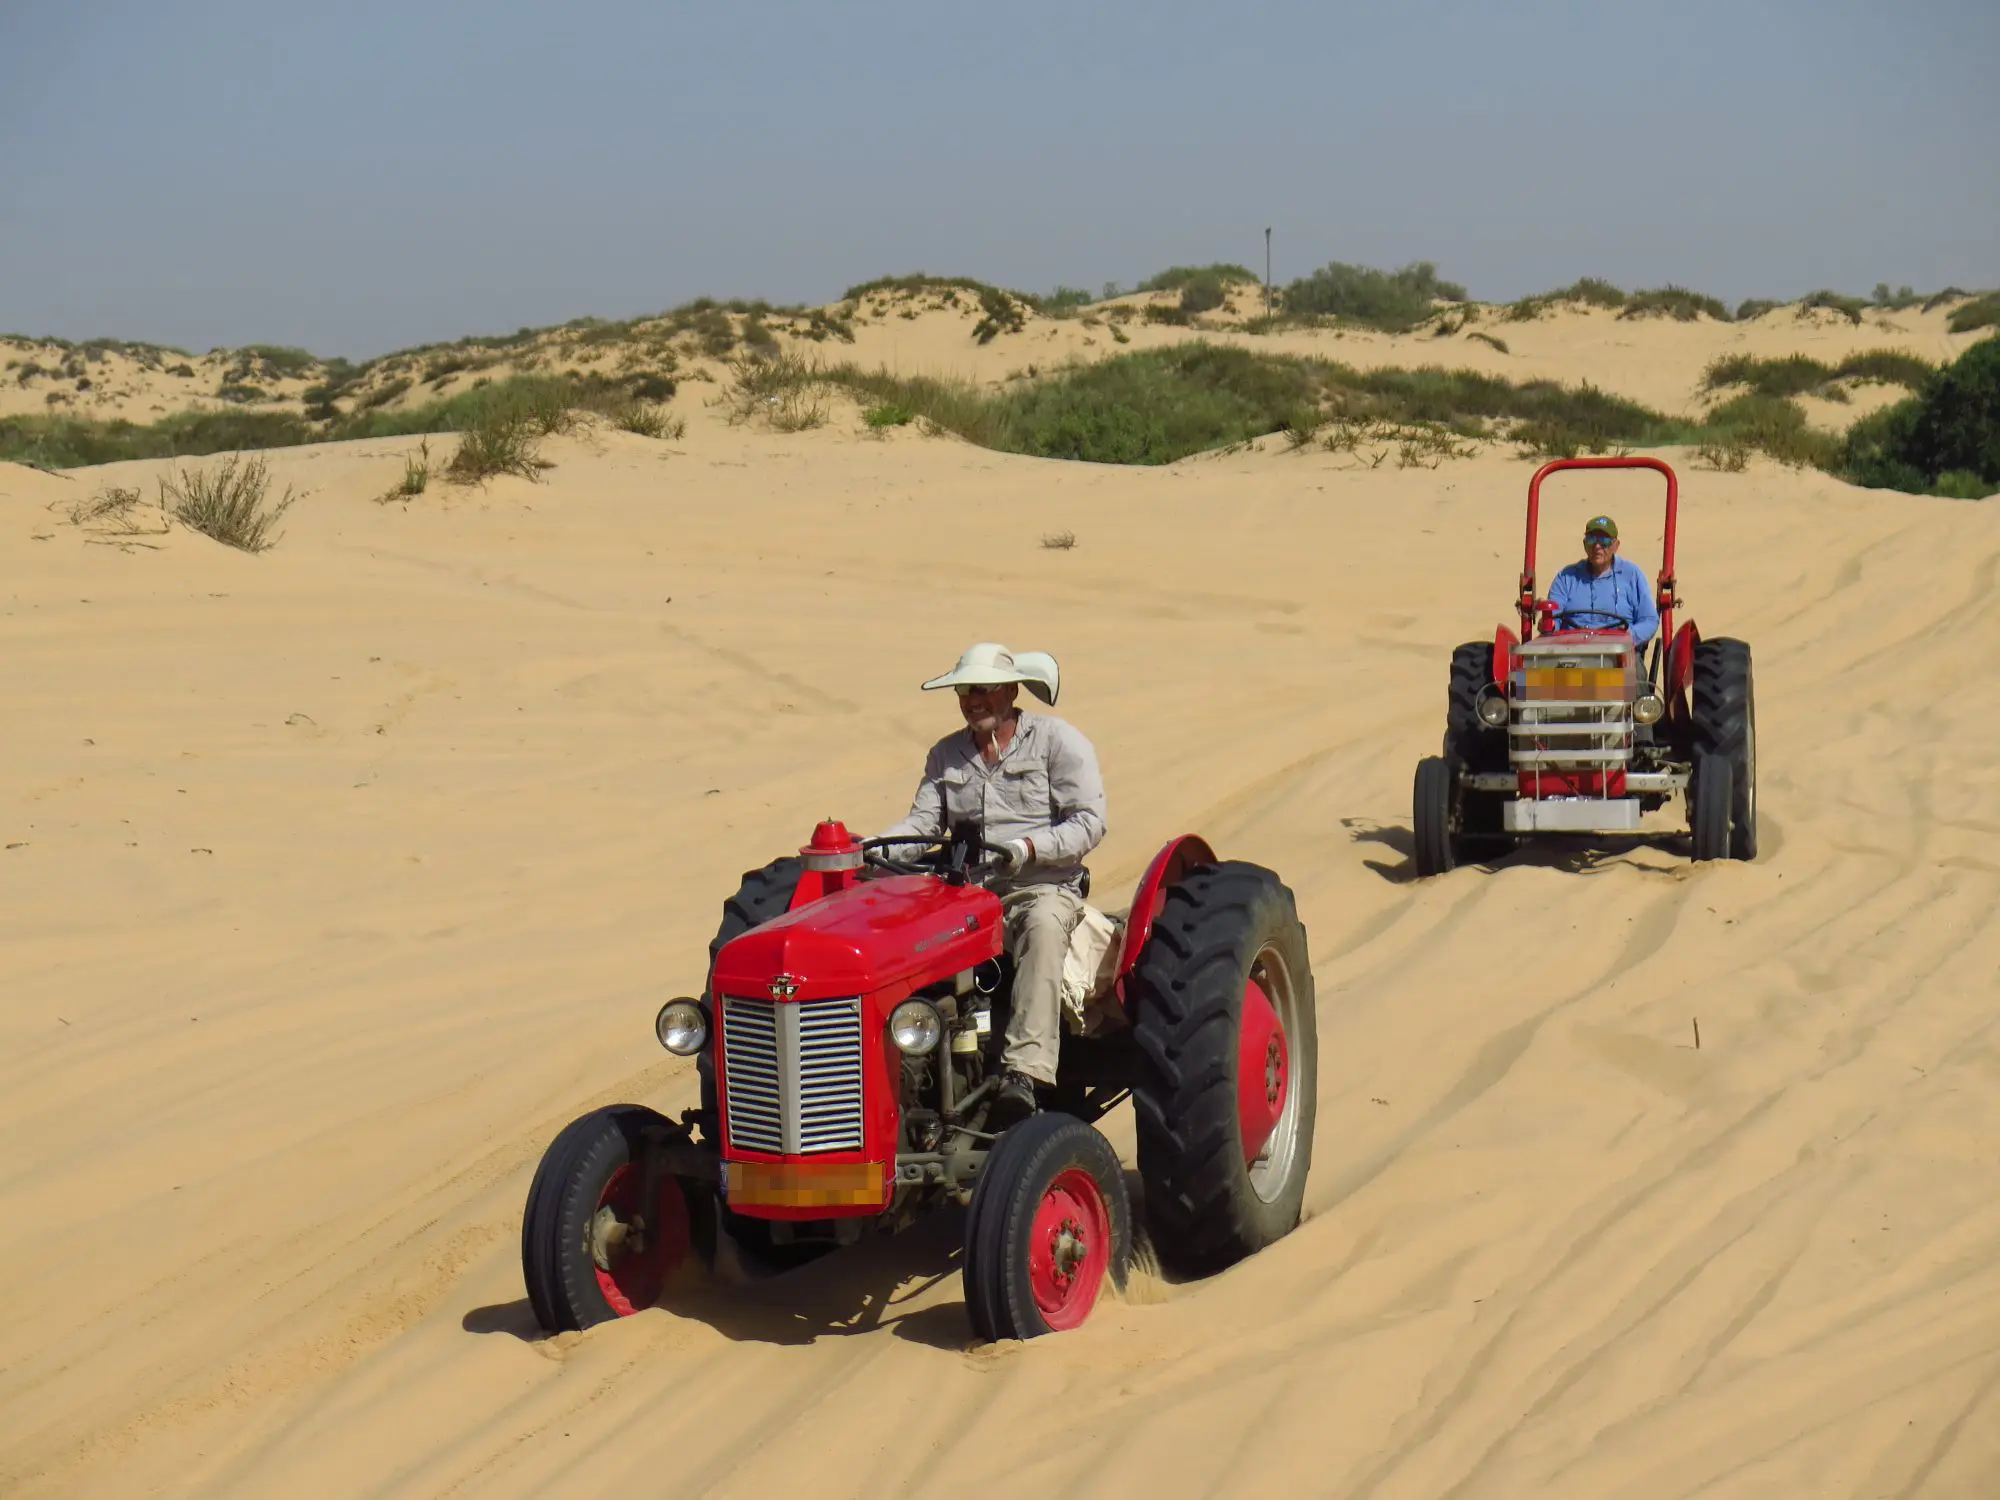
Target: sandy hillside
[
  {"x": 1656, "y": 361},
  {"x": 336, "y": 879}
]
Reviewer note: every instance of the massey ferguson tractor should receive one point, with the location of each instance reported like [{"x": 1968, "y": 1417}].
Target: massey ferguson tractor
[
  {"x": 1572, "y": 728},
  {"x": 848, "y": 1051}
]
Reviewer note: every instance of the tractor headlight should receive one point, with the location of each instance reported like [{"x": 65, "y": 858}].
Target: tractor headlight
[
  {"x": 1649, "y": 707},
  {"x": 915, "y": 1027},
  {"x": 1492, "y": 709},
  {"x": 682, "y": 1027}
]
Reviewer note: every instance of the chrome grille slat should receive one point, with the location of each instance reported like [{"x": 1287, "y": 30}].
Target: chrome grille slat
[{"x": 792, "y": 1075}]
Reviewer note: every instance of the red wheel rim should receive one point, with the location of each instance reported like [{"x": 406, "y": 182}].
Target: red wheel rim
[
  {"x": 1069, "y": 1249},
  {"x": 633, "y": 1252}
]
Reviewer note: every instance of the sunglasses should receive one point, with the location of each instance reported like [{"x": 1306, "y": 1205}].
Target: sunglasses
[
  {"x": 980, "y": 689},
  {"x": 1600, "y": 541}
]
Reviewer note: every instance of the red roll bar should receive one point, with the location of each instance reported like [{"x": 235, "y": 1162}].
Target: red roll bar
[{"x": 1664, "y": 599}]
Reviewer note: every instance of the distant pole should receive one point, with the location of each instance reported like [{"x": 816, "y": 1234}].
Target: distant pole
[{"x": 1267, "y": 272}]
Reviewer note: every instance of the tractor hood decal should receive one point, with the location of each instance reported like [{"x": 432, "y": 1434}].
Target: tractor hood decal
[{"x": 907, "y": 928}]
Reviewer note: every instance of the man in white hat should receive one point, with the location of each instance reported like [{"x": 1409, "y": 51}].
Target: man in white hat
[{"x": 1031, "y": 782}]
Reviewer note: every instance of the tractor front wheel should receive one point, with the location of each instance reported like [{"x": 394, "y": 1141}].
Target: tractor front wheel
[
  {"x": 602, "y": 1233},
  {"x": 1224, "y": 1020},
  {"x": 1431, "y": 808},
  {"x": 1050, "y": 1221}
]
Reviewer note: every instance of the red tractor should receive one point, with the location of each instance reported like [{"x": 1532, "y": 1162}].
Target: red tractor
[
  {"x": 1573, "y": 729},
  {"x": 847, "y": 1045}
]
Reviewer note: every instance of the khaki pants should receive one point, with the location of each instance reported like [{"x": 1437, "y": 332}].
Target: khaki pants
[{"x": 1039, "y": 921}]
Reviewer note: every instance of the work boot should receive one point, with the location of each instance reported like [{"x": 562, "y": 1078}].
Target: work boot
[{"x": 1015, "y": 1101}]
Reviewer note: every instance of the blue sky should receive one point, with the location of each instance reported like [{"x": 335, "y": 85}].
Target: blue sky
[{"x": 356, "y": 177}]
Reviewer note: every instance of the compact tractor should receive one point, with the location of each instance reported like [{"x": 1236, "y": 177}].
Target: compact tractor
[
  {"x": 847, "y": 1047},
  {"x": 1566, "y": 729}
]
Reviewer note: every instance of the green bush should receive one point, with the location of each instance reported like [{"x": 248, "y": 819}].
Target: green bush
[
  {"x": 1203, "y": 294},
  {"x": 1887, "y": 366},
  {"x": 1002, "y": 313},
  {"x": 1981, "y": 312},
  {"x": 71, "y": 442},
  {"x": 889, "y": 414},
  {"x": 1850, "y": 308},
  {"x": 1754, "y": 307},
  {"x": 1793, "y": 375},
  {"x": 276, "y": 361},
  {"x": 1675, "y": 302},
  {"x": 1394, "y": 301},
  {"x": 1776, "y": 426},
  {"x": 1949, "y": 428},
  {"x": 1177, "y": 278}
]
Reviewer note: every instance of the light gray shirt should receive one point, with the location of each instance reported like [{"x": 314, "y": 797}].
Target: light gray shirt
[{"x": 1045, "y": 787}]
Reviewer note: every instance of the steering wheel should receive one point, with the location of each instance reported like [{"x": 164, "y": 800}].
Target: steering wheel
[
  {"x": 948, "y": 857},
  {"x": 1571, "y": 615}
]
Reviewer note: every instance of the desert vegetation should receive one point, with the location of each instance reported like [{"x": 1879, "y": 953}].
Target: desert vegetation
[
  {"x": 229, "y": 501},
  {"x": 1944, "y": 440}
]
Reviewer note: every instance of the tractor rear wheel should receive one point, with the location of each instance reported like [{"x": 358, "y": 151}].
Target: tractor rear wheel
[
  {"x": 1050, "y": 1220},
  {"x": 1711, "y": 799},
  {"x": 1224, "y": 1020},
  {"x": 596, "y": 1244},
  {"x": 1725, "y": 724},
  {"x": 1470, "y": 742},
  {"x": 1430, "y": 817}
]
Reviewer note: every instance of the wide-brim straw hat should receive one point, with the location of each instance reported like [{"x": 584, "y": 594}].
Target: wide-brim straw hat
[{"x": 990, "y": 664}]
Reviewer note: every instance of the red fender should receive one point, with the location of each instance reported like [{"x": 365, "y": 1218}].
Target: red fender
[
  {"x": 1504, "y": 642},
  {"x": 1680, "y": 672},
  {"x": 1172, "y": 862}
]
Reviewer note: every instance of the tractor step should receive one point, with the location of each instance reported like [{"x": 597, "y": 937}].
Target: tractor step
[{"x": 1571, "y": 815}]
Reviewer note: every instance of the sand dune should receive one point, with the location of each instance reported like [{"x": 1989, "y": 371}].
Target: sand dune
[
  {"x": 1653, "y": 360},
  {"x": 338, "y": 878}
]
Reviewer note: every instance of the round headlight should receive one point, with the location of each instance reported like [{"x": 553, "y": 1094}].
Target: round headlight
[
  {"x": 1648, "y": 708},
  {"x": 915, "y": 1026},
  {"x": 1492, "y": 708},
  {"x": 682, "y": 1027}
]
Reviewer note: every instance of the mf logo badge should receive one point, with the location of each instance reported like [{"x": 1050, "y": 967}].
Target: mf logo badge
[{"x": 784, "y": 986}]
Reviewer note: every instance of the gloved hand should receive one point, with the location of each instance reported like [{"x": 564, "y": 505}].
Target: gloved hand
[{"x": 1016, "y": 856}]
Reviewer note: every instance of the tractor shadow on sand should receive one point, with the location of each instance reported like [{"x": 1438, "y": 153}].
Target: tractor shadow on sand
[
  {"x": 903, "y": 1284},
  {"x": 1573, "y": 854}
]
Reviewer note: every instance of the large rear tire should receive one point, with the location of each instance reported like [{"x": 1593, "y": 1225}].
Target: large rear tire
[
  {"x": 1050, "y": 1221},
  {"x": 1725, "y": 724},
  {"x": 1711, "y": 798},
  {"x": 1227, "y": 952},
  {"x": 591, "y": 1249}
]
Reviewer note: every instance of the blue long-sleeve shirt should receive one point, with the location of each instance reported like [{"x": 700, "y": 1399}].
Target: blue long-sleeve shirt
[{"x": 1597, "y": 603}]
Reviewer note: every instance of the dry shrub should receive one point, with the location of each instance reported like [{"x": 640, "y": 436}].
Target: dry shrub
[
  {"x": 229, "y": 502},
  {"x": 416, "y": 476}
]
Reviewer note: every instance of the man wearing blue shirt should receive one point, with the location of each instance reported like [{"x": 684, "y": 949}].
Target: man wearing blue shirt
[{"x": 1604, "y": 592}]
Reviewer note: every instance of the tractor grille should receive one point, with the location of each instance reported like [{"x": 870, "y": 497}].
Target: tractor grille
[
  {"x": 792, "y": 1075},
  {"x": 1572, "y": 706}
]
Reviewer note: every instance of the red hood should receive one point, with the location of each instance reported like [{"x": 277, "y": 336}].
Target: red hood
[{"x": 911, "y": 929}]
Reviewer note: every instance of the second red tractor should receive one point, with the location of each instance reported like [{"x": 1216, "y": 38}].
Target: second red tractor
[{"x": 1571, "y": 729}]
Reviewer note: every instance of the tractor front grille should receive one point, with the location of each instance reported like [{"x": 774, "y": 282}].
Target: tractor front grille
[
  {"x": 1572, "y": 706},
  {"x": 792, "y": 1075}
]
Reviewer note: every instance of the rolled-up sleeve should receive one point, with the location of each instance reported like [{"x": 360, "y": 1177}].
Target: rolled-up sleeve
[{"x": 1076, "y": 796}]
